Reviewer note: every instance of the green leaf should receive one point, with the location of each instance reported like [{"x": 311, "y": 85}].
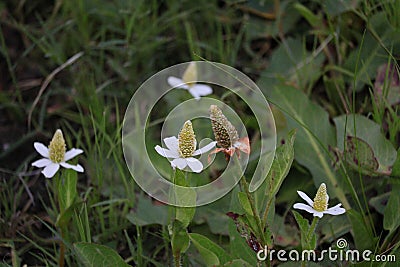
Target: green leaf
[
  {"x": 369, "y": 132},
  {"x": 391, "y": 215},
  {"x": 306, "y": 243},
  {"x": 98, "y": 255},
  {"x": 211, "y": 253},
  {"x": 179, "y": 238},
  {"x": 379, "y": 202},
  {"x": 244, "y": 201},
  {"x": 362, "y": 235},
  {"x": 358, "y": 154},
  {"x": 314, "y": 135},
  {"x": 291, "y": 63},
  {"x": 283, "y": 159},
  {"x": 396, "y": 165},
  {"x": 184, "y": 214},
  {"x": 147, "y": 213},
  {"x": 239, "y": 247},
  {"x": 67, "y": 188}
]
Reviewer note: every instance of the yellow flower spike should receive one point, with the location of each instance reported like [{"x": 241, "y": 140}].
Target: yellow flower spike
[
  {"x": 190, "y": 75},
  {"x": 57, "y": 147},
  {"x": 187, "y": 140},
  {"x": 321, "y": 199}
]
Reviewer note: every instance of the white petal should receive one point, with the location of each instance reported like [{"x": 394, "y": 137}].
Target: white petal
[
  {"x": 205, "y": 149},
  {"x": 194, "y": 164},
  {"x": 179, "y": 162},
  {"x": 176, "y": 82},
  {"x": 41, "y": 149},
  {"x": 72, "y": 153},
  {"x": 50, "y": 170},
  {"x": 318, "y": 214},
  {"x": 306, "y": 198},
  {"x": 194, "y": 93},
  {"x": 166, "y": 153},
  {"x": 77, "y": 167},
  {"x": 41, "y": 163},
  {"x": 336, "y": 210},
  {"x": 302, "y": 206},
  {"x": 201, "y": 89},
  {"x": 172, "y": 143}
]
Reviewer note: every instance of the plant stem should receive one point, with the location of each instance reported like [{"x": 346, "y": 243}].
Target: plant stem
[
  {"x": 62, "y": 249},
  {"x": 311, "y": 230},
  {"x": 177, "y": 259}
]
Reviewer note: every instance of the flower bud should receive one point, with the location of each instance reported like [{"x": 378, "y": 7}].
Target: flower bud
[{"x": 225, "y": 133}]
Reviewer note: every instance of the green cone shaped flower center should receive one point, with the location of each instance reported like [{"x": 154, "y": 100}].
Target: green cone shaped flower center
[
  {"x": 225, "y": 133},
  {"x": 187, "y": 140},
  {"x": 57, "y": 147},
  {"x": 321, "y": 199}
]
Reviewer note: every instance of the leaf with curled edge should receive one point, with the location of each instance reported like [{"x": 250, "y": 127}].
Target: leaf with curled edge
[
  {"x": 359, "y": 156},
  {"x": 245, "y": 230}
]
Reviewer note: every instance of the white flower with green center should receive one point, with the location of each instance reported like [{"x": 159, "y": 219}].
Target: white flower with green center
[
  {"x": 188, "y": 82},
  {"x": 55, "y": 156},
  {"x": 182, "y": 149},
  {"x": 319, "y": 206}
]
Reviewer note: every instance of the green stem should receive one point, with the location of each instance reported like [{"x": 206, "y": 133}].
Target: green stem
[
  {"x": 61, "y": 259},
  {"x": 311, "y": 230}
]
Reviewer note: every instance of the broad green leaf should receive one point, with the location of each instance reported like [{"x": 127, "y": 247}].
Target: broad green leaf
[
  {"x": 358, "y": 154},
  {"x": 94, "y": 255},
  {"x": 180, "y": 238},
  {"x": 211, "y": 252},
  {"x": 314, "y": 135},
  {"x": 362, "y": 235},
  {"x": 369, "y": 132},
  {"x": 291, "y": 63},
  {"x": 146, "y": 213},
  {"x": 334, "y": 7},
  {"x": 307, "y": 242},
  {"x": 391, "y": 215}
]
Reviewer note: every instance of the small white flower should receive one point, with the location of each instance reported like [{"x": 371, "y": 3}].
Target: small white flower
[
  {"x": 55, "y": 156},
  {"x": 182, "y": 149},
  {"x": 319, "y": 206},
  {"x": 188, "y": 82}
]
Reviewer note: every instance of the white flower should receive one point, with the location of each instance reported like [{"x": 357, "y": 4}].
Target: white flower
[
  {"x": 182, "y": 149},
  {"x": 319, "y": 206},
  {"x": 55, "y": 156},
  {"x": 188, "y": 82}
]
